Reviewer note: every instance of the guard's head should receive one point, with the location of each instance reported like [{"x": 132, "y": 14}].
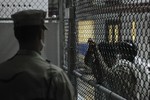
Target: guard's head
[
  {"x": 128, "y": 50},
  {"x": 29, "y": 26}
]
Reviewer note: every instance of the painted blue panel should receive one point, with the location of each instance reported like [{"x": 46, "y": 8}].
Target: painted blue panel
[{"x": 82, "y": 47}]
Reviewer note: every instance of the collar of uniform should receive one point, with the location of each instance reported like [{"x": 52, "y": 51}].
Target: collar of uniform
[{"x": 29, "y": 53}]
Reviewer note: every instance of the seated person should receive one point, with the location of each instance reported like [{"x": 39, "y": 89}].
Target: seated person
[
  {"x": 128, "y": 51},
  {"x": 119, "y": 78}
]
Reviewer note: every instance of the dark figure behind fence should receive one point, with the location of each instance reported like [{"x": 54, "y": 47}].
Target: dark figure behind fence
[
  {"x": 117, "y": 77},
  {"x": 128, "y": 52}
]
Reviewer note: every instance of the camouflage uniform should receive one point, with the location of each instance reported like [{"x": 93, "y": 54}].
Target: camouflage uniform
[
  {"x": 27, "y": 76},
  {"x": 131, "y": 83},
  {"x": 143, "y": 77},
  {"x": 124, "y": 80}
]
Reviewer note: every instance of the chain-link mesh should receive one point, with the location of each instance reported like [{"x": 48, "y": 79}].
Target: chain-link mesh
[
  {"x": 8, "y": 7},
  {"x": 66, "y": 42},
  {"x": 117, "y": 53}
]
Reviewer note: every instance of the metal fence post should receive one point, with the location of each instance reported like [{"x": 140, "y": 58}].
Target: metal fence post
[{"x": 72, "y": 46}]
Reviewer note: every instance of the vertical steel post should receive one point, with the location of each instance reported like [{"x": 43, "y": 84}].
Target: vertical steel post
[
  {"x": 72, "y": 44},
  {"x": 61, "y": 32}
]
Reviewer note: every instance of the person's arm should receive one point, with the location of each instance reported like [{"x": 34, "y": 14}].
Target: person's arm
[
  {"x": 60, "y": 86},
  {"x": 94, "y": 56}
]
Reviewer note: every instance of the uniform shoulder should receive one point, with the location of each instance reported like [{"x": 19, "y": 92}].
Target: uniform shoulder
[
  {"x": 56, "y": 73},
  {"x": 55, "y": 69}
]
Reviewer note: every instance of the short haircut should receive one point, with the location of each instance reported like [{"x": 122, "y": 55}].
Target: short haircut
[
  {"x": 128, "y": 47},
  {"x": 107, "y": 49},
  {"x": 128, "y": 50}
]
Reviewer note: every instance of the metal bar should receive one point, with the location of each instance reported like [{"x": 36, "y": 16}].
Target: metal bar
[
  {"x": 65, "y": 68},
  {"x": 100, "y": 87},
  {"x": 127, "y": 8},
  {"x": 5, "y": 19},
  {"x": 141, "y": 7},
  {"x": 60, "y": 33},
  {"x": 72, "y": 46},
  {"x": 50, "y": 18}
]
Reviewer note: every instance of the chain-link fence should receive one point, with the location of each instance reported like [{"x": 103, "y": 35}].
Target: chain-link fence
[
  {"x": 115, "y": 62},
  {"x": 8, "y": 7}
]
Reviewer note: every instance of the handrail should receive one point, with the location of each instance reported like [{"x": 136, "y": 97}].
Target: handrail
[{"x": 100, "y": 87}]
